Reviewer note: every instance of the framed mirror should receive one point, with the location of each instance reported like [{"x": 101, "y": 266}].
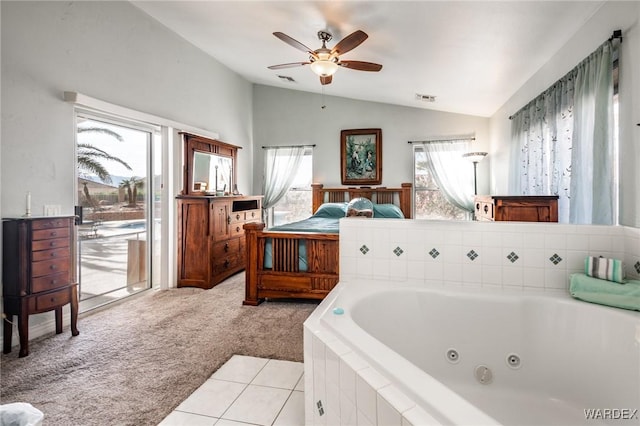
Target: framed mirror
[
  {"x": 209, "y": 166},
  {"x": 212, "y": 173}
]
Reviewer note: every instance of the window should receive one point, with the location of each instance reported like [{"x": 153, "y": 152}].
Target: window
[
  {"x": 565, "y": 142},
  {"x": 430, "y": 202},
  {"x": 296, "y": 204}
]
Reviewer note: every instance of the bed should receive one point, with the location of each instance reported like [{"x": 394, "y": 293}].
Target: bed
[{"x": 301, "y": 260}]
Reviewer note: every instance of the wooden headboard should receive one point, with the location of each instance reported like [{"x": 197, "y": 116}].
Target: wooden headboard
[{"x": 401, "y": 197}]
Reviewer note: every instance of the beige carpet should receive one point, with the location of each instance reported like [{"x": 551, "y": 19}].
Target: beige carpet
[{"x": 133, "y": 363}]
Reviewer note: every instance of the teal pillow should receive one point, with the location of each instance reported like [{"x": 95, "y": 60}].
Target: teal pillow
[
  {"x": 331, "y": 210},
  {"x": 387, "y": 211}
]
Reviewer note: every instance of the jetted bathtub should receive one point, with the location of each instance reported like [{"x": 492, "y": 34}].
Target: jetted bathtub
[{"x": 476, "y": 357}]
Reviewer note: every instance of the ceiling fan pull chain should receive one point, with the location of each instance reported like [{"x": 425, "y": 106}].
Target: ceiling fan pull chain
[{"x": 322, "y": 91}]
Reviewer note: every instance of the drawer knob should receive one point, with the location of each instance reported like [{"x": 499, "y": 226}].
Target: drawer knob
[
  {"x": 54, "y": 282},
  {"x": 226, "y": 246},
  {"x": 226, "y": 263},
  {"x": 53, "y": 254},
  {"x": 54, "y": 267},
  {"x": 52, "y": 244},
  {"x": 237, "y": 217},
  {"x": 486, "y": 208},
  {"x": 253, "y": 214},
  {"x": 53, "y": 234},
  {"x": 237, "y": 229}
]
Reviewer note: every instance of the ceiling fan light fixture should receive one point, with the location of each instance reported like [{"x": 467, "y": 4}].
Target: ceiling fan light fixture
[
  {"x": 324, "y": 68},
  {"x": 324, "y": 62}
]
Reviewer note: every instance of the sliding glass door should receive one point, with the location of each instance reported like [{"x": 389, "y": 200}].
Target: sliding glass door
[{"x": 118, "y": 199}]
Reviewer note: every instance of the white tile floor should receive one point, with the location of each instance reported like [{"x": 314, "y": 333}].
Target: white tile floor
[{"x": 246, "y": 391}]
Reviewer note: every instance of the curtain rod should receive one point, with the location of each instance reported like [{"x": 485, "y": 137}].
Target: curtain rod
[
  {"x": 444, "y": 140},
  {"x": 290, "y": 146},
  {"x": 617, "y": 34}
]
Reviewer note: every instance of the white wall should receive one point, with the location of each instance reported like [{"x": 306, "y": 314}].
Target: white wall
[
  {"x": 114, "y": 52},
  {"x": 612, "y": 16},
  {"x": 286, "y": 117}
]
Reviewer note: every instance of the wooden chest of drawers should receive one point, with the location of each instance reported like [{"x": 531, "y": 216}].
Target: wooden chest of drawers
[
  {"x": 520, "y": 208},
  {"x": 37, "y": 273},
  {"x": 211, "y": 241}
]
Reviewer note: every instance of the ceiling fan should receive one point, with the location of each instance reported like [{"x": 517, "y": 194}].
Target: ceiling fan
[{"x": 324, "y": 61}]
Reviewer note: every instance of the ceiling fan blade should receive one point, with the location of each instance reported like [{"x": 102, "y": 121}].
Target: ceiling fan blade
[
  {"x": 290, "y": 65},
  {"x": 326, "y": 80},
  {"x": 350, "y": 42},
  {"x": 292, "y": 42},
  {"x": 360, "y": 66}
]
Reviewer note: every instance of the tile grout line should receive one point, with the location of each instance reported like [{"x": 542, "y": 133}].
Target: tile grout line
[
  {"x": 246, "y": 385},
  {"x": 282, "y": 408},
  {"x": 288, "y": 398}
]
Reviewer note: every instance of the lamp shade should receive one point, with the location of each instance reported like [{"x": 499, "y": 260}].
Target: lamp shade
[
  {"x": 475, "y": 157},
  {"x": 324, "y": 68}
]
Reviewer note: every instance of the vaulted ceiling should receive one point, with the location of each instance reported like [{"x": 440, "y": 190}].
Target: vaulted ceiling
[{"x": 471, "y": 55}]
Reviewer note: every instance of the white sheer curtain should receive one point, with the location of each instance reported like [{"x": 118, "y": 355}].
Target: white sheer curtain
[
  {"x": 280, "y": 167},
  {"x": 563, "y": 143},
  {"x": 593, "y": 194},
  {"x": 542, "y": 136},
  {"x": 453, "y": 174}
]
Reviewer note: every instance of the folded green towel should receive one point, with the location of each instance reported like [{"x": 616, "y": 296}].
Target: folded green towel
[{"x": 605, "y": 292}]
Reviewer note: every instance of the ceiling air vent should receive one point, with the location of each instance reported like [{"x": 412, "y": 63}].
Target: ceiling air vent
[
  {"x": 425, "y": 98},
  {"x": 286, "y": 78}
]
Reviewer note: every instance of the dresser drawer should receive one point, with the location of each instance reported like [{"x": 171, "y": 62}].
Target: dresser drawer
[
  {"x": 51, "y": 254},
  {"x": 53, "y": 300},
  {"x": 47, "y": 234},
  {"x": 225, "y": 248},
  {"x": 236, "y": 217},
  {"x": 50, "y": 223},
  {"x": 49, "y": 244},
  {"x": 226, "y": 263},
  {"x": 46, "y": 267},
  {"x": 252, "y": 216},
  {"x": 245, "y": 216},
  {"x": 236, "y": 230},
  {"x": 50, "y": 282}
]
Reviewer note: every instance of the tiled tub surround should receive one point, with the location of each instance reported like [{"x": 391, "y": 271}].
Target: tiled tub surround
[
  {"x": 496, "y": 255},
  {"x": 352, "y": 378}
]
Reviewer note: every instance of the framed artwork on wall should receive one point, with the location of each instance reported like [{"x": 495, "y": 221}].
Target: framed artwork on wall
[{"x": 361, "y": 156}]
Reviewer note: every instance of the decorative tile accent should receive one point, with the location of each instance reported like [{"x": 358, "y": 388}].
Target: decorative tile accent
[
  {"x": 512, "y": 257},
  {"x": 364, "y": 249},
  {"x": 637, "y": 266},
  {"x": 398, "y": 251},
  {"x": 435, "y": 253},
  {"x": 472, "y": 255},
  {"x": 555, "y": 259}
]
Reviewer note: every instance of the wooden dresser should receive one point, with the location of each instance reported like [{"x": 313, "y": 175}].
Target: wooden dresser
[
  {"x": 521, "y": 208},
  {"x": 211, "y": 241},
  {"x": 37, "y": 273}
]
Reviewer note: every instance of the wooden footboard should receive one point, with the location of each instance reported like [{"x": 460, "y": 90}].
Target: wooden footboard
[{"x": 284, "y": 278}]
